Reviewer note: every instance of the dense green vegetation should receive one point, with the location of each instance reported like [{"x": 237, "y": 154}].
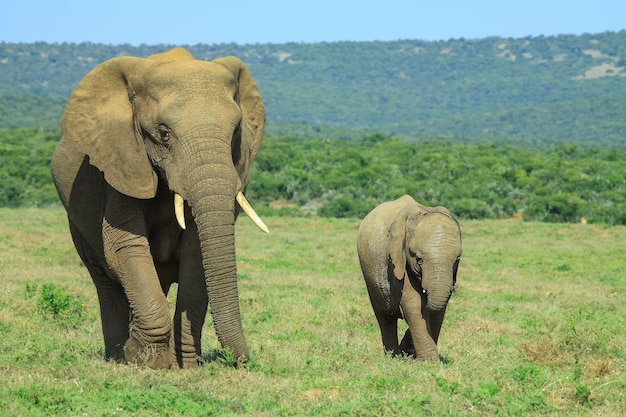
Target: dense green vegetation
[
  {"x": 25, "y": 156},
  {"x": 347, "y": 179},
  {"x": 503, "y": 90},
  {"x": 337, "y": 178},
  {"x": 24, "y": 111}
]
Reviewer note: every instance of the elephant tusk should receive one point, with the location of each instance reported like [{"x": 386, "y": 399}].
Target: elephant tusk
[
  {"x": 241, "y": 199},
  {"x": 179, "y": 209}
]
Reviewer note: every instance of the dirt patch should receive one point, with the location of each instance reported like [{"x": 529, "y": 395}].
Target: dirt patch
[
  {"x": 594, "y": 53},
  {"x": 282, "y": 56},
  {"x": 600, "y": 71}
]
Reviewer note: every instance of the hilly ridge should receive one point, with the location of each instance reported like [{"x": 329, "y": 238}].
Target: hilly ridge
[{"x": 534, "y": 90}]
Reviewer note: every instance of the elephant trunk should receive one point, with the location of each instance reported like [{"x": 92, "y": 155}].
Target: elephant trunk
[
  {"x": 438, "y": 284},
  {"x": 212, "y": 198}
]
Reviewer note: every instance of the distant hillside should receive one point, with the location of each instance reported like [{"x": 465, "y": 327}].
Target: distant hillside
[{"x": 534, "y": 90}]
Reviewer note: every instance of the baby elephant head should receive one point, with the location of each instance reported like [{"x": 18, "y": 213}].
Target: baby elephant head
[{"x": 425, "y": 246}]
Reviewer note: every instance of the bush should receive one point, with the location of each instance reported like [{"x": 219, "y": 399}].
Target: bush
[
  {"x": 471, "y": 208},
  {"x": 561, "y": 207},
  {"x": 60, "y": 305}
]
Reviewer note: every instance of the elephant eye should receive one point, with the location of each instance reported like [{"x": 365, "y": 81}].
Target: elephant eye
[
  {"x": 417, "y": 255},
  {"x": 164, "y": 133}
]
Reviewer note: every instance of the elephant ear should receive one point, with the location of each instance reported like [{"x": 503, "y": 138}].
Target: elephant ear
[
  {"x": 403, "y": 224},
  {"x": 98, "y": 122},
  {"x": 397, "y": 244},
  {"x": 247, "y": 140}
]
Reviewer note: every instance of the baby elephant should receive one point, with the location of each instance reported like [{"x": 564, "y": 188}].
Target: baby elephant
[{"x": 410, "y": 255}]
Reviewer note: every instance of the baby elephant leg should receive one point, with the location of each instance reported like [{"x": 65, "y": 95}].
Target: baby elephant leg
[
  {"x": 411, "y": 305},
  {"x": 389, "y": 331}
]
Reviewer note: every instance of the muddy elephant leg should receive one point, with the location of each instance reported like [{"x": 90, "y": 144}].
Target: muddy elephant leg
[
  {"x": 411, "y": 305},
  {"x": 128, "y": 255},
  {"x": 150, "y": 325},
  {"x": 191, "y": 304},
  {"x": 114, "y": 310},
  {"x": 388, "y": 330}
]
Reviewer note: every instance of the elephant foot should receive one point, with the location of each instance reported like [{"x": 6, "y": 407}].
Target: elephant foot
[
  {"x": 427, "y": 353},
  {"x": 179, "y": 362},
  {"x": 114, "y": 352},
  {"x": 185, "y": 355},
  {"x": 411, "y": 355},
  {"x": 429, "y": 358},
  {"x": 425, "y": 356},
  {"x": 155, "y": 356}
]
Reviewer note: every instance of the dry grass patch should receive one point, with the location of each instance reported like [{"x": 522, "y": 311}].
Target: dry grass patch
[{"x": 544, "y": 352}]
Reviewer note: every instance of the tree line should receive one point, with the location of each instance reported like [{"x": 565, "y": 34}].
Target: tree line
[
  {"x": 337, "y": 178},
  {"x": 558, "y": 88}
]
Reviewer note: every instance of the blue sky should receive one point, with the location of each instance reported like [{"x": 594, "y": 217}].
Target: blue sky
[{"x": 281, "y": 21}]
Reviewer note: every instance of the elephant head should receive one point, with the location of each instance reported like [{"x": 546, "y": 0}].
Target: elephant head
[
  {"x": 425, "y": 244},
  {"x": 192, "y": 125}
]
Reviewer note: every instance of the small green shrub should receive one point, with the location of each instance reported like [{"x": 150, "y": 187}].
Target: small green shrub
[
  {"x": 583, "y": 393},
  {"x": 60, "y": 305}
]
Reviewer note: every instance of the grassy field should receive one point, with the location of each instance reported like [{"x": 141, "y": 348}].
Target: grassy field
[{"x": 536, "y": 327}]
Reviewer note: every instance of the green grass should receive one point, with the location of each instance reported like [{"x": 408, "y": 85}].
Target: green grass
[{"x": 536, "y": 327}]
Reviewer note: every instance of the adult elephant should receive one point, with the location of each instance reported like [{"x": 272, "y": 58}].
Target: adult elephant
[
  {"x": 409, "y": 255},
  {"x": 138, "y": 134}
]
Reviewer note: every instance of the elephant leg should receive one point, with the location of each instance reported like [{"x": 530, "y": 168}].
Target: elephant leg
[
  {"x": 411, "y": 306},
  {"x": 389, "y": 331},
  {"x": 168, "y": 274},
  {"x": 114, "y": 310},
  {"x": 115, "y": 315},
  {"x": 191, "y": 303},
  {"x": 435, "y": 320},
  {"x": 128, "y": 255},
  {"x": 406, "y": 345},
  {"x": 149, "y": 339}
]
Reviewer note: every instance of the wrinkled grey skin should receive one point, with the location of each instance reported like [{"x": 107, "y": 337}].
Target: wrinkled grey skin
[
  {"x": 136, "y": 131},
  {"x": 409, "y": 256}
]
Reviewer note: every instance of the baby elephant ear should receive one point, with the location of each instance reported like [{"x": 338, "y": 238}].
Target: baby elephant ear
[
  {"x": 397, "y": 245},
  {"x": 98, "y": 122}
]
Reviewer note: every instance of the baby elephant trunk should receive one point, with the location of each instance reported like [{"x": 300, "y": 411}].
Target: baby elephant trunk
[{"x": 438, "y": 287}]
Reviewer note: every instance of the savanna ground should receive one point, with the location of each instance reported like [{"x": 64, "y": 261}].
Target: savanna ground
[{"x": 536, "y": 327}]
